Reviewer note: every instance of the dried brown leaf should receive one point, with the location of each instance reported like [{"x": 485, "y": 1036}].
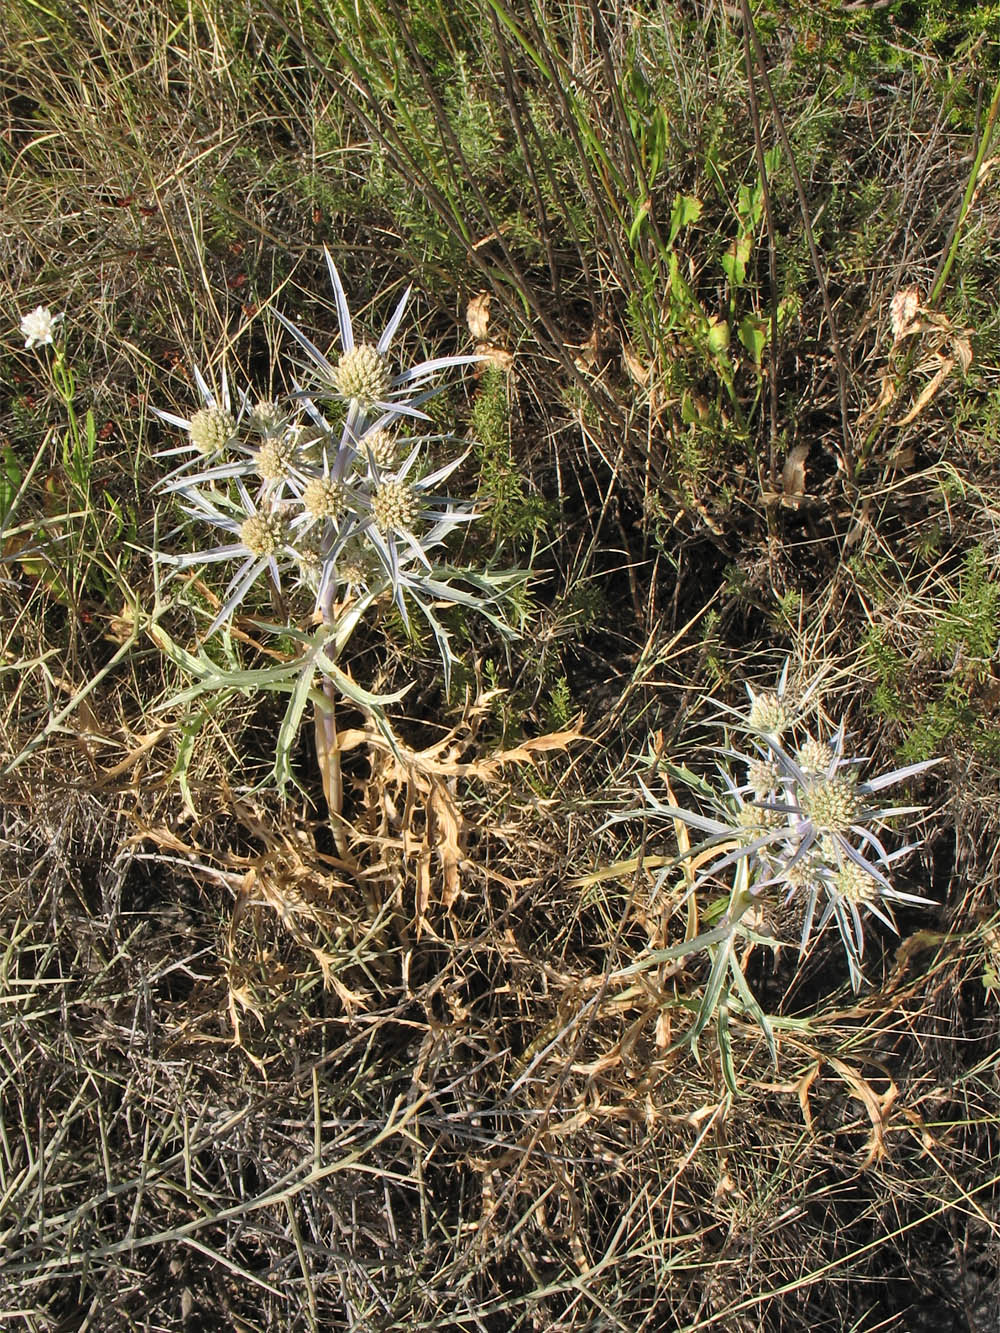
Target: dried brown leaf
[
  {"x": 134, "y": 755},
  {"x": 928, "y": 391},
  {"x": 477, "y": 316},
  {"x": 414, "y": 790},
  {"x": 863, "y": 521},
  {"x": 932, "y": 321},
  {"x": 445, "y": 826},
  {"x": 793, "y": 476},
  {"x": 802, "y": 1091},
  {"x": 494, "y": 356},
  {"x": 526, "y": 751},
  {"x": 427, "y": 763},
  {"x": 887, "y": 394},
  {"x": 663, "y": 1033},
  {"x": 876, "y": 1108},
  {"x": 903, "y": 310},
  {"x": 963, "y": 351},
  {"x": 634, "y": 366},
  {"x": 901, "y": 460},
  {"x": 588, "y": 352}
]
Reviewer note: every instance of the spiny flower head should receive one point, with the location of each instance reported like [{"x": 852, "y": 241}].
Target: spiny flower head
[
  {"x": 212, "y": 429},
  {"x": 773, "y": 712},
  {"x": 267, "y": 419},
  {"x": 382, "y": 446},
  {"x": 802, "y": 875},
  {"x": 831, "y": 804},
  {"x": 769, "y": 715},
  {"x": 275, "y": 457},
  {"x": 264, "y": 534},
  {"x": 309, "y": 555},
  {"x": 362, "y": 375},
  {"x": 851, "y": 882},
  {"x": 813, "y": 829},
  {"x": 814, "y": 756},
  {"x": 324, "y": 498},
  {"x": 763, "y": 776},
  {"x": 753, "y": 820},
  {"x": 257, "y": 535},
  {"x": 355, "y": 566},
  {"x": 395, "y": 506}
]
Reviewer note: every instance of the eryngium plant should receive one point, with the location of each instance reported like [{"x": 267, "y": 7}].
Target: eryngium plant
[
  {"x": 791, "y": 817},
  {"x": 328, "y": 499}
]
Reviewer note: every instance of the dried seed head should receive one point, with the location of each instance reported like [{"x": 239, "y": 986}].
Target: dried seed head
[
  {"x": 264, "y": 534},
  {"x": 768, "y": 715},
  {"x": 362, "y": 375},
  {"x": 324, "y": 498},
  {"x": 832, "y": 804},
  {"x": 267, "y": 419},
  {"x": 394, "y": 506},
  {"x": 212, "y": 428},
  {"x": 814, "y": 756},
  {"x": 274, "y": 458},
  {"x": 382, "y": 446},
  {"x": 762, "y": 776}
]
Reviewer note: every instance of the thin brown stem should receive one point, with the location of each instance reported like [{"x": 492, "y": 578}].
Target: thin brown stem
[
  {"x": 772, "y": 268},
  {"x": 838, "y": 351},
  {"x": 328, "y": 756}
]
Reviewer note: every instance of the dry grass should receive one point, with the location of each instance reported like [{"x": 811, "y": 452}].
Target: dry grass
[{"x": 250, "y": 1083}]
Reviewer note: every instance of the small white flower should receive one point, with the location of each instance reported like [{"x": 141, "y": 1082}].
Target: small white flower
[{"x": 38, "y": 327}]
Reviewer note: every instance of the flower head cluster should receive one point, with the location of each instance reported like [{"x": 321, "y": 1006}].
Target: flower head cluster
[
  {"x": 795, "y": 816},
  {"x": 324, "y": 490}
]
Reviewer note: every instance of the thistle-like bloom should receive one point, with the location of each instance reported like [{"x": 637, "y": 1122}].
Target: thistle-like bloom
[
  {"x": 741, "y": 830},
  {"x": 359, "y": 562},
  {"x": 211, "y": 431},
  {"x": 267, "y": 419},
  {"x": 807, "y": 825},
  {"x": 395, "y": 506},
  {"x": 381, "y": 446},
  {"x": 772, "y": 713},
  {"x": 335, "y": 507},
  {"x": 360, "y": 375},
  {"x": 849, "y": 891},
  {"x": 38, "y": 327},
  {"x": 831, "y": 807},
  {"x": 399, "y": 507},
  {"x": 263, "y": 543},
  {"x": 275, "y": 459},
  {"x": 324, "y": 498}
]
